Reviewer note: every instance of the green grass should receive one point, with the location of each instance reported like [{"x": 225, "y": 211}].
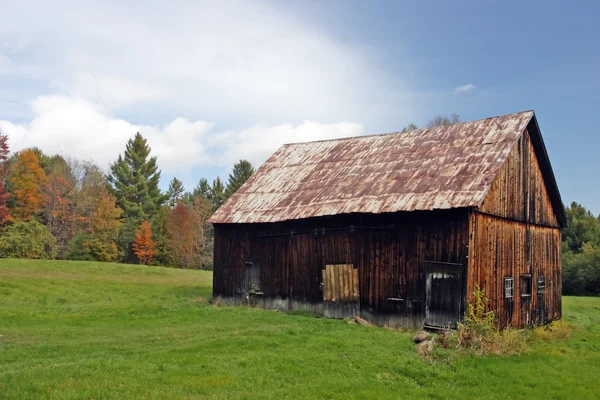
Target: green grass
[{"x": 81, "y": 330}]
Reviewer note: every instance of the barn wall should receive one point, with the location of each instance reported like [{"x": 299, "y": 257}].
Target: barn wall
[
  {"x": 501, "y": 248},
  {"x": 388, "y": 250},
  {"x": 519, "y": 192}
]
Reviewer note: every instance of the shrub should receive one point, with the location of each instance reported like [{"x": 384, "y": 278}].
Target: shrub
[
  {"x": 78, "y": 251},
  {"x": 27, "y": 240},
  {"x": 480, "y": 335}
]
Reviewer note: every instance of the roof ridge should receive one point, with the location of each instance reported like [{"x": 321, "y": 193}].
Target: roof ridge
[{"x": 369, "y": 135}]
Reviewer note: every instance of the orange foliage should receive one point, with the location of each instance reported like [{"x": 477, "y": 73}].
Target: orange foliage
[
  {"x": 144, "y": 246},
  {"x": 27, "y": 182}
]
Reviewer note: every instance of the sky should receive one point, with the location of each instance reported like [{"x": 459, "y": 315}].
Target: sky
[{"x": 209, "y": 83}]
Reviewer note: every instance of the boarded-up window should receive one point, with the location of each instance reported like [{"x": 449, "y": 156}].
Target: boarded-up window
[{"x": 340, "y": 283}]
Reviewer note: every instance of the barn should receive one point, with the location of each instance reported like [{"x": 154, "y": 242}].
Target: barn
[{"x": 399, "y": 228}]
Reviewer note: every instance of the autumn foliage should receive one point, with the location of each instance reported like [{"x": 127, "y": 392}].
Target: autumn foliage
[
  {"x": 27, "y": 182},
  {"x": 54, "y": 206},
  {"x": 144, "y": 246}
]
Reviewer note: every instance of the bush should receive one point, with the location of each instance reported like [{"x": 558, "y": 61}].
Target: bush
[
  {"x": 78, "y": 251},
  {"x": 27, "y": 240},
  {"x": 480, "y": 335}
]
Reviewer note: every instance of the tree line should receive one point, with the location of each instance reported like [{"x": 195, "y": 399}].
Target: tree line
[
  {"x": 56, "y": 207},
  {"x": 581, "y": 252}
]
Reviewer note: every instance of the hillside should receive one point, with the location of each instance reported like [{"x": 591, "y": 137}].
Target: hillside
[{"x": 75, "y": 330}]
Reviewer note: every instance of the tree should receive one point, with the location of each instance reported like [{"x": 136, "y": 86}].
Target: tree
[
  {"x": 175, "y": 192},
  {"x": 409, "y": 127},
  {"x": 27, "y": 239},
  {"x": 58, "y": 211},
  {"x": 203, "y": 189},
  {"x": 27, "y": 181},
  {"x": 441, "y": 120},
  {"x": 582, "y": 227},
  {"x": 217, "y": 193},
  {"x": 90, "y": 187},
  {"x": 144, "y": 246},
  {"x": 4, "y": 195},
  {"x": 104, "y": 228},
  {"x": 164, "y": 253},
  {"x": 242, "y": 170},
  {"x": 133, "y": 180},
  {"x": 189, "y": 233}
]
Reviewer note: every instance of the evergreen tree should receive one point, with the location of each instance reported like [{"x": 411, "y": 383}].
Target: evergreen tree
[
  {"x": 175, "y": 191},
  {"x": 161, "y": 236},
  {"x": 133, "y": 180},
  {"x": 240, "y": 174},
  {"x": 4, "y": 195},
  {"x": 203, "y": 189},
  {"x": 217, "y": 193}
]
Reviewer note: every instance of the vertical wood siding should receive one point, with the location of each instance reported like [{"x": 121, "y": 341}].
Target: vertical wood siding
[
  {"x": 502, "y": 248},
  {"x": 387, "y": 249},
  {"x": 519, "y": 192}
]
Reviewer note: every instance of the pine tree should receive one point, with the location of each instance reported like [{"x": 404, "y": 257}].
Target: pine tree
[
  {"x": 4, "y": 195},
  {"x": 217, "y": 193},
  {"x": 144, "y": 246},
  {"x": 241, "y": 172},
  {"x": 134, "y": 182},
  {"x": 175, "y": 191},
  {"x": 27, "y": 181},
  {"x": 203, "y": 189}
]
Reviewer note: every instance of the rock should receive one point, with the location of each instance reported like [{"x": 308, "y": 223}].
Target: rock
[
  {"x": 420, "y": 336},
  {"x": 424, "y": 348},
  {"x": 361, "y": 321}
]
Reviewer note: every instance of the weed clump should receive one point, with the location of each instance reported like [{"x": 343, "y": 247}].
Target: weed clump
[{"x": 480, "y": 335}]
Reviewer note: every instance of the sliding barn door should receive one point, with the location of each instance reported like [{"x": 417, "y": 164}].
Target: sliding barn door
[{"x": 340, "y": 291}]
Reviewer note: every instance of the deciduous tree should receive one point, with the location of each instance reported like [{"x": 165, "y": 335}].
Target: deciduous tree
[
  {"x": 104, "y": 228},
  {"x": 441, "y": 120},
  {"x": 27, "y": 182},
  {"x": 143, "y": 245}
]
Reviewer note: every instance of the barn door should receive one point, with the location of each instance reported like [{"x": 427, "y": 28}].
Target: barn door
[
  {"x": 340, "y": 291},
  {"x": 443, "y": 294}
]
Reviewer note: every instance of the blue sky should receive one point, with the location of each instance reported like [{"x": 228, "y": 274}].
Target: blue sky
[{"x": 209, "y": 83}]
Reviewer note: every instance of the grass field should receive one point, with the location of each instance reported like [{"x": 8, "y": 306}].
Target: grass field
[{"x": 81, "y": 330}]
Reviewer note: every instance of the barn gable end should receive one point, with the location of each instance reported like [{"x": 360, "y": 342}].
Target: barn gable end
[{"x": 519, "y": 191}]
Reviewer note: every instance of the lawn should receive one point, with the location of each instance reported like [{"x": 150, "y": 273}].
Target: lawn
[{"x": 82, "y": 330}]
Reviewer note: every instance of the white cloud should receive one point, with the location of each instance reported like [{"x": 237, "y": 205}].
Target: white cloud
[
  {"x": 78, "y": 128},
  {"x": 465, "y": 88},
  {"x": 230, "y": 59}
]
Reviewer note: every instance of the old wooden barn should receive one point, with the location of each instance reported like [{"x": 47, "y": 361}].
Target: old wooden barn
[{"x": 399, "y": 228}]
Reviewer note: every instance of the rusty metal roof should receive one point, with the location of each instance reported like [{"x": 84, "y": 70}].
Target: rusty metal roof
[{"x": 439, "y": 168}]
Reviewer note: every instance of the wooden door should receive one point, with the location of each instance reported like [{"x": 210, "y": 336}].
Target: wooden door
[
  {"x": 340, "y": 291},
  {"x": 443, "y": 294}
]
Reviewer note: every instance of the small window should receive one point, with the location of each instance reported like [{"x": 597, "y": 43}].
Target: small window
[
  {"x": 541, "y": 284},
  {"x": 526, "y": 285},
  {"x": 509, "y": 288}
]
